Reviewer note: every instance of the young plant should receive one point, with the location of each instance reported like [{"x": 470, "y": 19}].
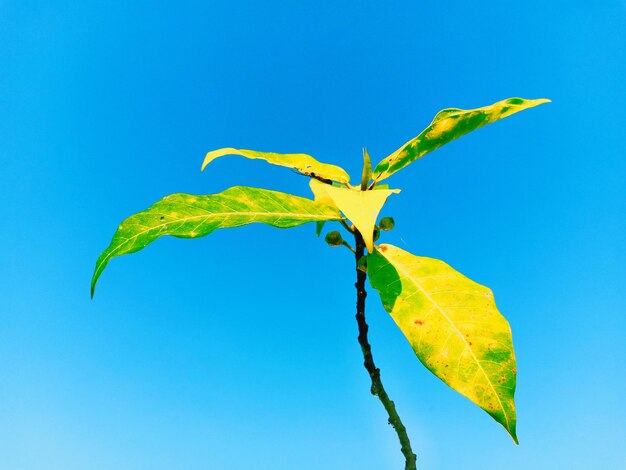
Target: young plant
[{"x": 450, "y": 321}]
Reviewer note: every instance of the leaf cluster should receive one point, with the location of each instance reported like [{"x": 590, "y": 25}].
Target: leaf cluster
[{"x": 451, "y": 322}]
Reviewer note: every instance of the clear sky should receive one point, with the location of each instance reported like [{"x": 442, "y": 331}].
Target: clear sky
[{"x": 238, "y": 350}]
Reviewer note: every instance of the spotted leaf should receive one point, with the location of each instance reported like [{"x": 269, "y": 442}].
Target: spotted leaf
[
  {"x": 453, "y": 325},
  {"x": 301, "y": 162},
  {"x": 188, "y": 216},
  {"x": 449, "y": 124}
]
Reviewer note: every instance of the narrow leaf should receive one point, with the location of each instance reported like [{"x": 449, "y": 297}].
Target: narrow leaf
[
  {"x": 453, "y": 325},
  {"x": 188, "y": 216},
  {"x": 319, "y": 226},
  {"x": 449, "y": 124},
  {"x": 301, "y": 162},
  {"x": 366, "y": 176},
  {"x": 361, "y": 207}
]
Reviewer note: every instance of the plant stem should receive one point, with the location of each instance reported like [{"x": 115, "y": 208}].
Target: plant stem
[{"x": 377, "y": 386}]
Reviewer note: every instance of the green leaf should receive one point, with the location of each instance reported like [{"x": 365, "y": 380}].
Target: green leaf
[
  {"x": 448, "y": 125},
  {"x": 366, "y": 175},
  {"x": 305, "y": 164},
  {"x": 319, "y": 226},
  {"x": 453, "y": 326},
  {"x": 361, "y": 207},
  {"x": 188, "y": 216}
]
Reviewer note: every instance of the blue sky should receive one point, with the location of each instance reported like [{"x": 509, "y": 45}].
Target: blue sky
[{"x": 239, "y": 350}]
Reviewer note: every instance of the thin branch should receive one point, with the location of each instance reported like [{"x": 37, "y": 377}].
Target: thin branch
[
  {"x": 346, "y": 226},
  {"x": 347, "y": 245},
  {"x": 312, "y": 175},
  {"x": 319, "y": 178},
  {"x": 377, "y": 388}
]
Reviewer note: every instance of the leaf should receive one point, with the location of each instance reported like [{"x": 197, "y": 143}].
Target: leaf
[
  {"x": 188, "y": 216},
  {"x": 361, "y": 207},
  {"x": 449, "y": 124},
  {"x": 319, "y": 226},
  {"x": 321, "y": 196},
  {"x": 366, "y": 175},
  {"x": 305, "y": 164},
  {"x": 453, "y": 325}
]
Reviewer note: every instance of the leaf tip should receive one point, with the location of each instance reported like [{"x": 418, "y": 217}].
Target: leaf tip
[
  {"x": 96, "y": 275},
  {"x": 94, "y": 281},
  {"x": 213, "y": 154},
  {"x": 510, "y": 425},
  {"x": 206, "y": 161}
]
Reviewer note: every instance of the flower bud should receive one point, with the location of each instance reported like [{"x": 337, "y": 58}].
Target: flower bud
[
  {"x": 386, "y": 223},
  {"x": 334, "y": 238}
]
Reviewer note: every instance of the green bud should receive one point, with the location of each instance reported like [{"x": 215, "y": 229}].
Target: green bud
[
  {"x": 334, "y": 238},
  {"x": 376, "y": 234},
  {"x": 362, "y": 264},
  {"x": 386, "y": 223}
]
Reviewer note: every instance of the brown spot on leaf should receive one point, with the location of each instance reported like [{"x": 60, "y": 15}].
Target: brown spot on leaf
[{"x": 419, "y": 322}]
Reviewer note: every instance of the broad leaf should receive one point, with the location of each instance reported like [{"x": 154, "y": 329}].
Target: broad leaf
[
  {"x": 189, "y": 216},
  {"x": 453, "y": 326},
  {"x": 361, "y": 207},
  {"x": 449, "y": 124},
  {"x": 301, "y": 162}
]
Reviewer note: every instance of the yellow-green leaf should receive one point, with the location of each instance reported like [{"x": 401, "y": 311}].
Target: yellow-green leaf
[
  {"x": 301, "y": 162},
  {"x": 453, "y": 325},
  {"x": 361, "y": 207},
  {"x": 188, "y": 216},
  {"x": 449, "y": 124}
]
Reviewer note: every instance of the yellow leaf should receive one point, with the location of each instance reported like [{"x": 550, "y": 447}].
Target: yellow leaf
[
  {"x": 361, "y": 207},
  {"x": 301, "y": 162}
]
